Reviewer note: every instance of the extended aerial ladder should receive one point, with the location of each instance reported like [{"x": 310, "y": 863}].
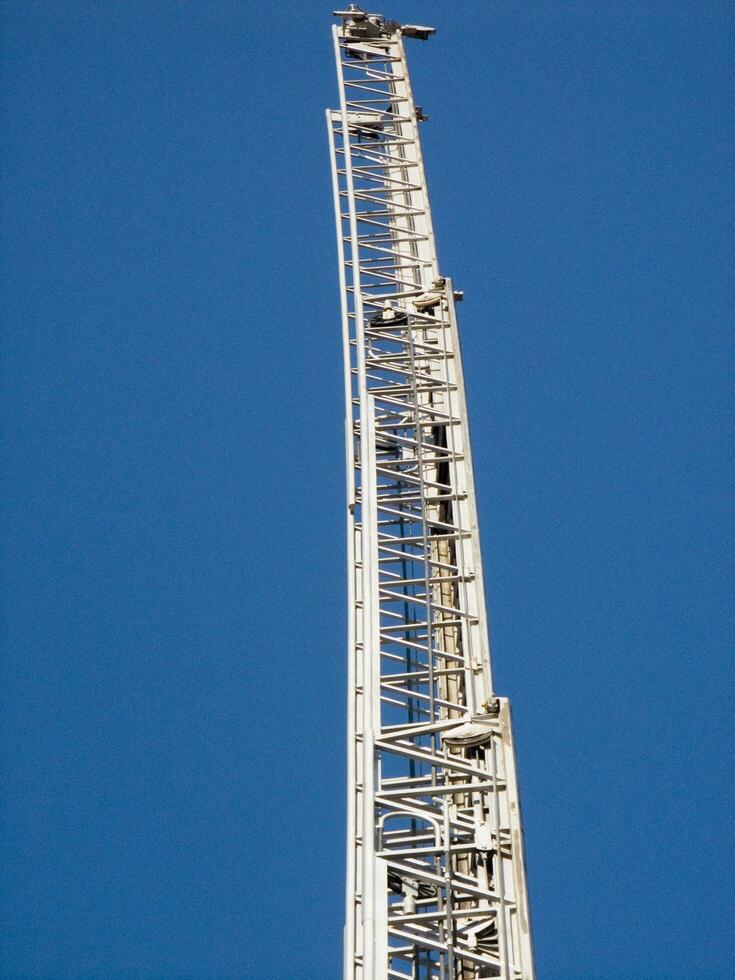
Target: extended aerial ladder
[{"x": 436, "y": 884}]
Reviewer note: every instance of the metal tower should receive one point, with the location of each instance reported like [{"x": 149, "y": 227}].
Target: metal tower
[{"x": 436, "y": 885}]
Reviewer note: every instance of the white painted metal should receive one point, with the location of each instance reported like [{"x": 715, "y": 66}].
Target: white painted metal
[{"x": 436, "y": 885}]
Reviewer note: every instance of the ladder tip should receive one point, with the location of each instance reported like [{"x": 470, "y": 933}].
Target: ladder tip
[{"x": 359, "y": 24}]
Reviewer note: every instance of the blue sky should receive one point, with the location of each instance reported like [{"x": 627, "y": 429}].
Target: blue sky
[{"x": 173, "y": 607}]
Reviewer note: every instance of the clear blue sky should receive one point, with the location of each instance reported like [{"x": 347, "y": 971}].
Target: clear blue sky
[{"x": 173, "y": 608}]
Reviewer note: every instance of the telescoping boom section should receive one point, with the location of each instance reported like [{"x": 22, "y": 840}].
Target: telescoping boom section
[{"x": 436, "y": 885}]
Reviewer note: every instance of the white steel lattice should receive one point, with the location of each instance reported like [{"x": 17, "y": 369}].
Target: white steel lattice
[{"x": 436, "y": 885}]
